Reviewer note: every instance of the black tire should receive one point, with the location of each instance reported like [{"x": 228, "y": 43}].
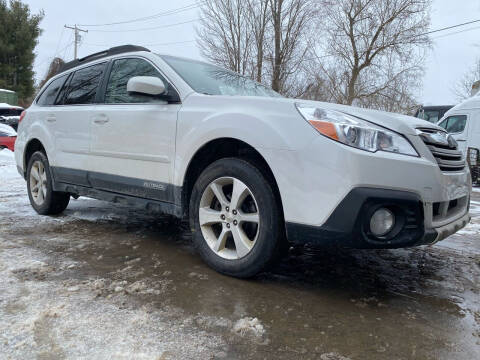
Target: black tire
[
  {"x": 271, "y": 233},
  {"x": 54, "y": 202}
]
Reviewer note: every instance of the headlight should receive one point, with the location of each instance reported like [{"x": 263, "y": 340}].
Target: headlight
[{"x": 355, "y": 132}]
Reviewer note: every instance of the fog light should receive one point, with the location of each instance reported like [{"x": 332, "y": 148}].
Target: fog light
[{"x": 382, "y": 222}]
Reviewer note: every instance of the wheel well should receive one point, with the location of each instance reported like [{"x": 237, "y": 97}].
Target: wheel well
[
  {"x": 33, "y": 146},
  {"x": 219, "y": 149}
]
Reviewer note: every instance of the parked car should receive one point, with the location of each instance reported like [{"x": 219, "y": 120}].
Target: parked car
[
  {"x": 432, "y": 113},
  {"x": 248, "y": 167},
  {"x": 7, "y": 137},
  {"x": 463, "y": 123},
  {"x": 9, "y": 114}
]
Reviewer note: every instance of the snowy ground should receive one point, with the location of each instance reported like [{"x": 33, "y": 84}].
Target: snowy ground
[{"x": 106, "y": 282}]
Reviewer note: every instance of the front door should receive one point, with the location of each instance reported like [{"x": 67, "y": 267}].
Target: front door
[{"x": 132, "y": 145}]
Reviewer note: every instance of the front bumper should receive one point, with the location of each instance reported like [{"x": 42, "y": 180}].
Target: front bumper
[{"x": 348, "y": 225}]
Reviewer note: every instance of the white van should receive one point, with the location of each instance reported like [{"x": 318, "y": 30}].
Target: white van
[{"x": 463, "y": 122}]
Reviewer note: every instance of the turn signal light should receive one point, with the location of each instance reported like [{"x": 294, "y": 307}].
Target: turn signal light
[
  {"x": 326, "y": 128},
  {"x": 22, "y": 115}
]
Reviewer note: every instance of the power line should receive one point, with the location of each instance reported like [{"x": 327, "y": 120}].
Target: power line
[
  {"x": 59, "y": 41},
  {"x": 76, "y": 30},
  {"x": 70, "y": 43},
  {"x": 172, "y": 43},
  {"x": 450, "y": 27},
  {"x": 160, "y": 14},
  {"x": 422, "y": 34},
  {"x": 314, "y": 58},
  {"x": 156, "y": 44},
  {"x": 146, "y": 29},
  {"x": 456, "y": 32}
]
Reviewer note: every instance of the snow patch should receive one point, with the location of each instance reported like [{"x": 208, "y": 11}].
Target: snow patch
[
  {"x": 7, "y": 154},
  {"x": 249, "y": 326},
  {"x": 333, "y": 356},
  {"x": 470, "y": 229}
]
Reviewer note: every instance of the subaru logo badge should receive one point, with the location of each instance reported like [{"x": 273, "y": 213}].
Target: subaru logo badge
[{"x": 440, "y": 138}]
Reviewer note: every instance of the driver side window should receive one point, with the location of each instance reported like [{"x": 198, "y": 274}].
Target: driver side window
[
  {"x": 454, "y": 124},
  {"x": 122, "y": 71}
]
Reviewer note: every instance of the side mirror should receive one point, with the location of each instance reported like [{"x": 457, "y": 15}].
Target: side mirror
[{"x": 148, "y": 85}]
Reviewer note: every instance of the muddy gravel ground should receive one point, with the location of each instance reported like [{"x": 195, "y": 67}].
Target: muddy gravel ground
[{"x": 103, "y": 281}]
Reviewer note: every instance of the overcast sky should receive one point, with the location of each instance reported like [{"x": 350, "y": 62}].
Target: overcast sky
[{"x": 453, "y": 52}]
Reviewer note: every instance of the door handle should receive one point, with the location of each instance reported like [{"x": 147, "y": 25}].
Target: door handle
[
  {"x": 101, "y": 119},
  {"x": 51, "y": 118}
]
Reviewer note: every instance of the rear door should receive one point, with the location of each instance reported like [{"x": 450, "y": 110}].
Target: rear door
[
  {"x": 45, "y": 110},
  {"x": 133, "y": 135},
  {"x": 71, "y": 124}
]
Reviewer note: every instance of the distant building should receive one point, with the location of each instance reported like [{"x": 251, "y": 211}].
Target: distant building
[{"x": 8, "y": 96}]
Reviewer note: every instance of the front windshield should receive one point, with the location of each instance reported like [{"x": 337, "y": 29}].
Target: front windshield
[
  {"x": 213, "y": 80},
  {"x": 430, "y": 115}
]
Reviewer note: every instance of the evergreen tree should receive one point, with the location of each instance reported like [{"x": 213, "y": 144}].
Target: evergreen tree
[{"x": 19, "y": 32}]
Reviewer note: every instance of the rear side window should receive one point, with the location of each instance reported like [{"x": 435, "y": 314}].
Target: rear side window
[
  {"x": 122, "y": 71},
  {"x": 82, "y": 89},
  {"x": 50, "y": 93},
  {"x": 454, "y": 124}
]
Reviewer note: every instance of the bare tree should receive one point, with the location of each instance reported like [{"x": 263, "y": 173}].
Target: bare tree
[
  {"x": 372, "y": 53},
  {"x": 225, "y": 36},
  {"x": 463, "y": 88},
  {"x": 290, "y": 20},
  {"x": 264, "y": 39},
  {"x": 53, "y": 69},
  {"x": 259, "y": 21}
]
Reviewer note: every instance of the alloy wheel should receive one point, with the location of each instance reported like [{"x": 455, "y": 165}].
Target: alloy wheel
[
  {"x": 229, "y": 218},
  {"x": 38, "y": 182}
]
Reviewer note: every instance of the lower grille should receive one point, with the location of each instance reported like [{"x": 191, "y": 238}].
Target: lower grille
[
  {"x": 448, "y": 209},
  {"x": 444, "y": 149}
]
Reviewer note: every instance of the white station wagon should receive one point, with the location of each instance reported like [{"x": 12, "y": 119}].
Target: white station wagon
[{"x": 250, "y": 169}]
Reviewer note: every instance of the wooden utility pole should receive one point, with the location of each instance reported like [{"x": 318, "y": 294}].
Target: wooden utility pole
[{"x": 77, "y": 37}]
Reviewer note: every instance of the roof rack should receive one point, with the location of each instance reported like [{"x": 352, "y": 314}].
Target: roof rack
[{"x": 101, "y": 54}]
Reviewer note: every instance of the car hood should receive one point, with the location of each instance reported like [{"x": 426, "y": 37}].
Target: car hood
[
  {"x": 400, "y": 123},
  {"x": 8, "y": 130}
]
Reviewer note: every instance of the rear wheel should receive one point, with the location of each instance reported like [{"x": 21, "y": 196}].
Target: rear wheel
[
  {"x": 236, "y": 219},
  {"x": 43, "y": 199}
]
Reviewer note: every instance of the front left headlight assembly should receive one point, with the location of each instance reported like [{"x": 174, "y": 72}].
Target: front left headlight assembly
[{"x": 355, "y": 132}]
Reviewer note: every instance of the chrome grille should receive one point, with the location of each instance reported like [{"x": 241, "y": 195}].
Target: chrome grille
[{"x": 444, "y": 149}]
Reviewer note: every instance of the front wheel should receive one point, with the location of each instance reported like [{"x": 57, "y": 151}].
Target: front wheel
[
  {"x": 236, "y": 218},
  {"x": 43, "y": 199}
]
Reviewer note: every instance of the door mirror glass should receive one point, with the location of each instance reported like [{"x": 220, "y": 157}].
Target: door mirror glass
[{"x": 148, "y": 85}]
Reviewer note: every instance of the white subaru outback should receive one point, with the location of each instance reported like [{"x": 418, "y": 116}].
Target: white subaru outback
[{"x": 251, "y": 169}]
